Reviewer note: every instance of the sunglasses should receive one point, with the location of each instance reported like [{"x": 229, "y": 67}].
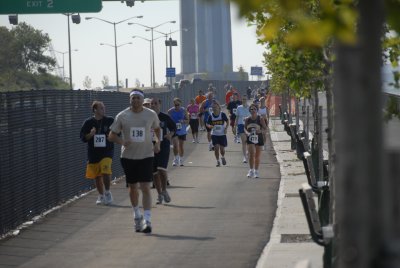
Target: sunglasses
[{"x": 253, "y": 109}]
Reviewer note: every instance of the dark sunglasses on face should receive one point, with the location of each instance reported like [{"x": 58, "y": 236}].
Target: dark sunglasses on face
[{"x": 253, "y": 109}]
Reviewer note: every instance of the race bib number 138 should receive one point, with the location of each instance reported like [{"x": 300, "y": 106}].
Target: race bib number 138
[{"x": 137, "y": 134}]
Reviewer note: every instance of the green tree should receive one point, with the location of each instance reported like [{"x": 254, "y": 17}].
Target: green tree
[
  {"x": 105, "y": 81},
  {"x": 23, "y": 64},
  {"x": 31, "y": 45},
  {"x": 87, "y": 83}
]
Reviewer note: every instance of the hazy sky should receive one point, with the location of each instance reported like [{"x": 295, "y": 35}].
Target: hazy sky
[{"x": 95, "y": 61}]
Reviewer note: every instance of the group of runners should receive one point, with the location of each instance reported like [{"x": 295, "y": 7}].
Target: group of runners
[{"x": 146, "y": 135}]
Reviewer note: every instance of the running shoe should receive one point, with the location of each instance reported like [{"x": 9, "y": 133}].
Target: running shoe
[
  {"x": 210, "y": 147},
  {"x": 139, "y": 224},
  {"x": 244, "y": 159},
  {"x": 239, "y": 141},
  {"x": 147, "y": 227},
  {"x": 193, "y": 141},
  {"x": 167, "y": 198},
  {"x": 223, "y": 161},
  {"x": 250, "y": 174},
  {"x": 175, "y": 162},
  {"x": 100, "y": 200},
  {"x": 160, "y": 199},
  {"x": 108, "y": 198},
  {"x": 181, "y": 161},
  {"x": 218, "y": 164},
  {"x": 256, "y": 174}
]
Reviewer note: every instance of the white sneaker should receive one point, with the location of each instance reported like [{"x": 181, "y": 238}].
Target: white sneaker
[
  {"x": 100, "y": 200},
  {"x": 256, "y": 174},
  {"x": 250, "y": 174},
  {"x": 167, "y": 198},
  {"x": 175, "y": 162},
  {"x": 193, "y": 141},
  {"x": 238, "y": 140},
  {"x": 244, "y": 159},
  {"x": 181, "y": 161},
  {"x": 108, "y": 198},
  {"x": 139, "y": 222},
  {"x": 210, "y": 147}
]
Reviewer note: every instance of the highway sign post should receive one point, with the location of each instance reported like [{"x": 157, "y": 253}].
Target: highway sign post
[
  {"x": 256, "y": 71},
  {"x": 49, "y": 6},
  {"x": 171, "y": 72}
]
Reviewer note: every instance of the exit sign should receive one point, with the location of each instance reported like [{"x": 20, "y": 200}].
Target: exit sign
[{"x": 49, "y": 6}]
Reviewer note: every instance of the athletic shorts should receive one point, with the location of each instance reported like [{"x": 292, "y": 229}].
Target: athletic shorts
[
  {"x": 260, "y": 140},
  {"x": 94, "y": 170},
  {"x": 161, "y": 159},
  {"x": 220, "y": 140},
  {"x": 240, "y": 128},
  {"x": 140, "y": 170},
  {"x": 194, "y": 125}
]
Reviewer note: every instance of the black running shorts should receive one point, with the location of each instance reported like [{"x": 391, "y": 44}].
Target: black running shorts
[
  {"x": 161, "y": 159},
  {"x": 140, "y": 170},
  {"x": 220, "y": 140}
]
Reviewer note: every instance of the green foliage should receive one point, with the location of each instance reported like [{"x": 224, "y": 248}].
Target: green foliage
[
  {"x": 392, "y": 108},
  {"x": 23, "y": 64}
]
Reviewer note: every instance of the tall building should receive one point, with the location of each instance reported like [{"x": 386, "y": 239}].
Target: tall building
[{"x": 206, "y": 49}]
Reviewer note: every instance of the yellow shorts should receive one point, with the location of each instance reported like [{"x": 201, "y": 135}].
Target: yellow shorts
[{"x": 94, "y": 170}]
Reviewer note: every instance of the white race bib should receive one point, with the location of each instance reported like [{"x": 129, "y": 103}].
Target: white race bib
[
  {"x": 218, "y": 128},
  {"x": 178, "y": 126},
  {"x": 99, "y": 140},
  {"x": 253, "y": 138},
  {"x": 210, "y": 110},
  {"x": 193, "y": 116},
  {"x": 138, "y": 134}
]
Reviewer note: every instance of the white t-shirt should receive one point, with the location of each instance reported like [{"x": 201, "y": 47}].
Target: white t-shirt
[
  {"x": 136, "y": 127},
  {"x": 241, "y": 113}
]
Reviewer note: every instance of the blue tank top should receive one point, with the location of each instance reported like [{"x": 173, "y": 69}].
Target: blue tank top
[
  {"x": 178, "y": 117},
  {"x": 207, "y": 111}
]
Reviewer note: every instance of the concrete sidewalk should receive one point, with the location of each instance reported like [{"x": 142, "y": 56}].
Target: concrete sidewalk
[{"x": 290, "y": 241}]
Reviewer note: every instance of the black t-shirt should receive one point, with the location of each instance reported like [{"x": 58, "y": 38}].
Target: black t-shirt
[
  {"x": 95, "y": 154},
  {"x": 233, "y": 105},
  {"x": 166, "y": 123}
]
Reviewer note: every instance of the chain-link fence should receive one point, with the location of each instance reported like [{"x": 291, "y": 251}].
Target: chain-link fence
[{"x": 42, "y": 160}]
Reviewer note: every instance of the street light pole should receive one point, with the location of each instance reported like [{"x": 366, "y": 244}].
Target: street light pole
[
  {"x": 152, "y": 58},
  {"x": 69, "y": 54},
  {"x": 115, "y": 40},
  {"x": 116, "y": 55},
  {"x": 152, "y": 44}
]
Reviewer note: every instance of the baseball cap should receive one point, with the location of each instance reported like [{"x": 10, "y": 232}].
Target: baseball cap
[{"x": 147, "y": 101}]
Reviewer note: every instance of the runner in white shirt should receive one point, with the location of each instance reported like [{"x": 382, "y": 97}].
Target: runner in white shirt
[{"x": 242, "y": 112}]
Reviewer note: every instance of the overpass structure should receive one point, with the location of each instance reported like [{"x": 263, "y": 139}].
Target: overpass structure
[{"x": 206, "y": 50}]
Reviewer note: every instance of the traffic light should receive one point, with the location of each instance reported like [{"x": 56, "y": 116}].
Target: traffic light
[
  {"x": 13, "y": 19},
  {"x": 130, "y": 3},
  {"x": 76, "y": 18}
]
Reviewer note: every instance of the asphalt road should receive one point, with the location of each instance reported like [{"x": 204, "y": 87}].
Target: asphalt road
[{"x": 217, "y": 218}]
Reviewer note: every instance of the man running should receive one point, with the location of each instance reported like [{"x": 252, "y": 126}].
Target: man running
[
  {"x": 199, "y": 99},
  {"x": 242, "y": 112},
  {"x": 232, "y": 107},
  {"x": 161, "y": 158},
  {"x": 218, "y": 123},
  {"x": 95, "y": 132},
  {"x": 206, "y": 109},
  {"x": 135, "y": 124}
]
